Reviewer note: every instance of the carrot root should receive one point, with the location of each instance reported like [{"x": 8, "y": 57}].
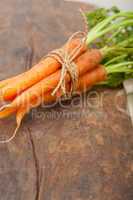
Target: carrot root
[
  {"x": 6, "y": 111},
  {"x": 19, "y": 117}
]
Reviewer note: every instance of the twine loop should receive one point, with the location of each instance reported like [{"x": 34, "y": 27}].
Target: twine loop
[{"x": 66, "y": 59}]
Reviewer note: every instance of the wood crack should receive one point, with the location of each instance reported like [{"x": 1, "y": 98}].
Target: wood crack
[
  {"x": 36, "y": 165},
  {"x": 30, "y": 56}
]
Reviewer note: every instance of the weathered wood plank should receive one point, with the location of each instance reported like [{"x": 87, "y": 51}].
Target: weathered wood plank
[{"x": 78, "y": 152}]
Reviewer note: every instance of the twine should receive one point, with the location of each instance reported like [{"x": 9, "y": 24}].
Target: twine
[
  {"x": 68, "y": 65},
  {"x": 85, "y": 22}
]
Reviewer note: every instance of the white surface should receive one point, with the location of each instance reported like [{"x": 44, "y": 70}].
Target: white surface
[{"x": 122, "y": 4}]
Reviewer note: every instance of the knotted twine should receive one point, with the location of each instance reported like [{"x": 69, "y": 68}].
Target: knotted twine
[
  {"x": 67, "y": 64},
  {"x": 67, "y": 60}
]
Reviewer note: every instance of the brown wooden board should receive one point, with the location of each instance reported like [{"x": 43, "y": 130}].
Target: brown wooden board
[{"x": 83, "y": 151}]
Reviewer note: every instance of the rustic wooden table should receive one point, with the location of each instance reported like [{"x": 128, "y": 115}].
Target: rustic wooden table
[{"x": 86, "y": 156}]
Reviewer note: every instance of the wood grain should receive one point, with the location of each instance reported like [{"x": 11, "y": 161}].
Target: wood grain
[{"x": 79, "y": 151}]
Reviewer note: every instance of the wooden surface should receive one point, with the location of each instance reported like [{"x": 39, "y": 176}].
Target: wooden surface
[{"x": 84, "y": 153}]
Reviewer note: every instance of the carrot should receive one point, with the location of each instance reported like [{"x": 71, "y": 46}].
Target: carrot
[
  {"x": 89, "y": 79},
  {"x": 6, "y": 111},
  {"x": 41, "y": 70},
  {"x": 23, "y": 103},
  {"x": 85, "y": 82},
  {"x": 86, "y": 62},
  {"x": 10, "y": 80},
  {"x": 19, "y": 116}
]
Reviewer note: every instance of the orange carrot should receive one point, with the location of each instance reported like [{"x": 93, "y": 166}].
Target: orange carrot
[
  {"x": 19, "y": 116},
  {"x": 43, "y": 69},
  {"x": 85, "y": 63},
  {"x": 10, "y": 80},
  {"x": 85, "y": 82},
  {"x": 90, "y": 79}
]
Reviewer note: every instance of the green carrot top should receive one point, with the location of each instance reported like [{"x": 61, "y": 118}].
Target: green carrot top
[{"x": 111, "y": 30}]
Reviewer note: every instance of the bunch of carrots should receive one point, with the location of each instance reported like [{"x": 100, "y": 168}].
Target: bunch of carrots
[{"x": 109, "y": 63}]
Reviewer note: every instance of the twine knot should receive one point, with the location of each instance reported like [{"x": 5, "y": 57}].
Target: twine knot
[{"x": 68, "y": 65}]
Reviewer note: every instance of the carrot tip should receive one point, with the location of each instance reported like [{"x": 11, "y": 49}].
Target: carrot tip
[
  {"x": 12, "y": 137},
  {"x": 6, "y": 110},
  {"x": 19, "y": 117}
]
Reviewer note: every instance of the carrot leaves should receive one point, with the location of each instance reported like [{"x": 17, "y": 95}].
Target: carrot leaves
[{"x": 111, "y": 30}]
